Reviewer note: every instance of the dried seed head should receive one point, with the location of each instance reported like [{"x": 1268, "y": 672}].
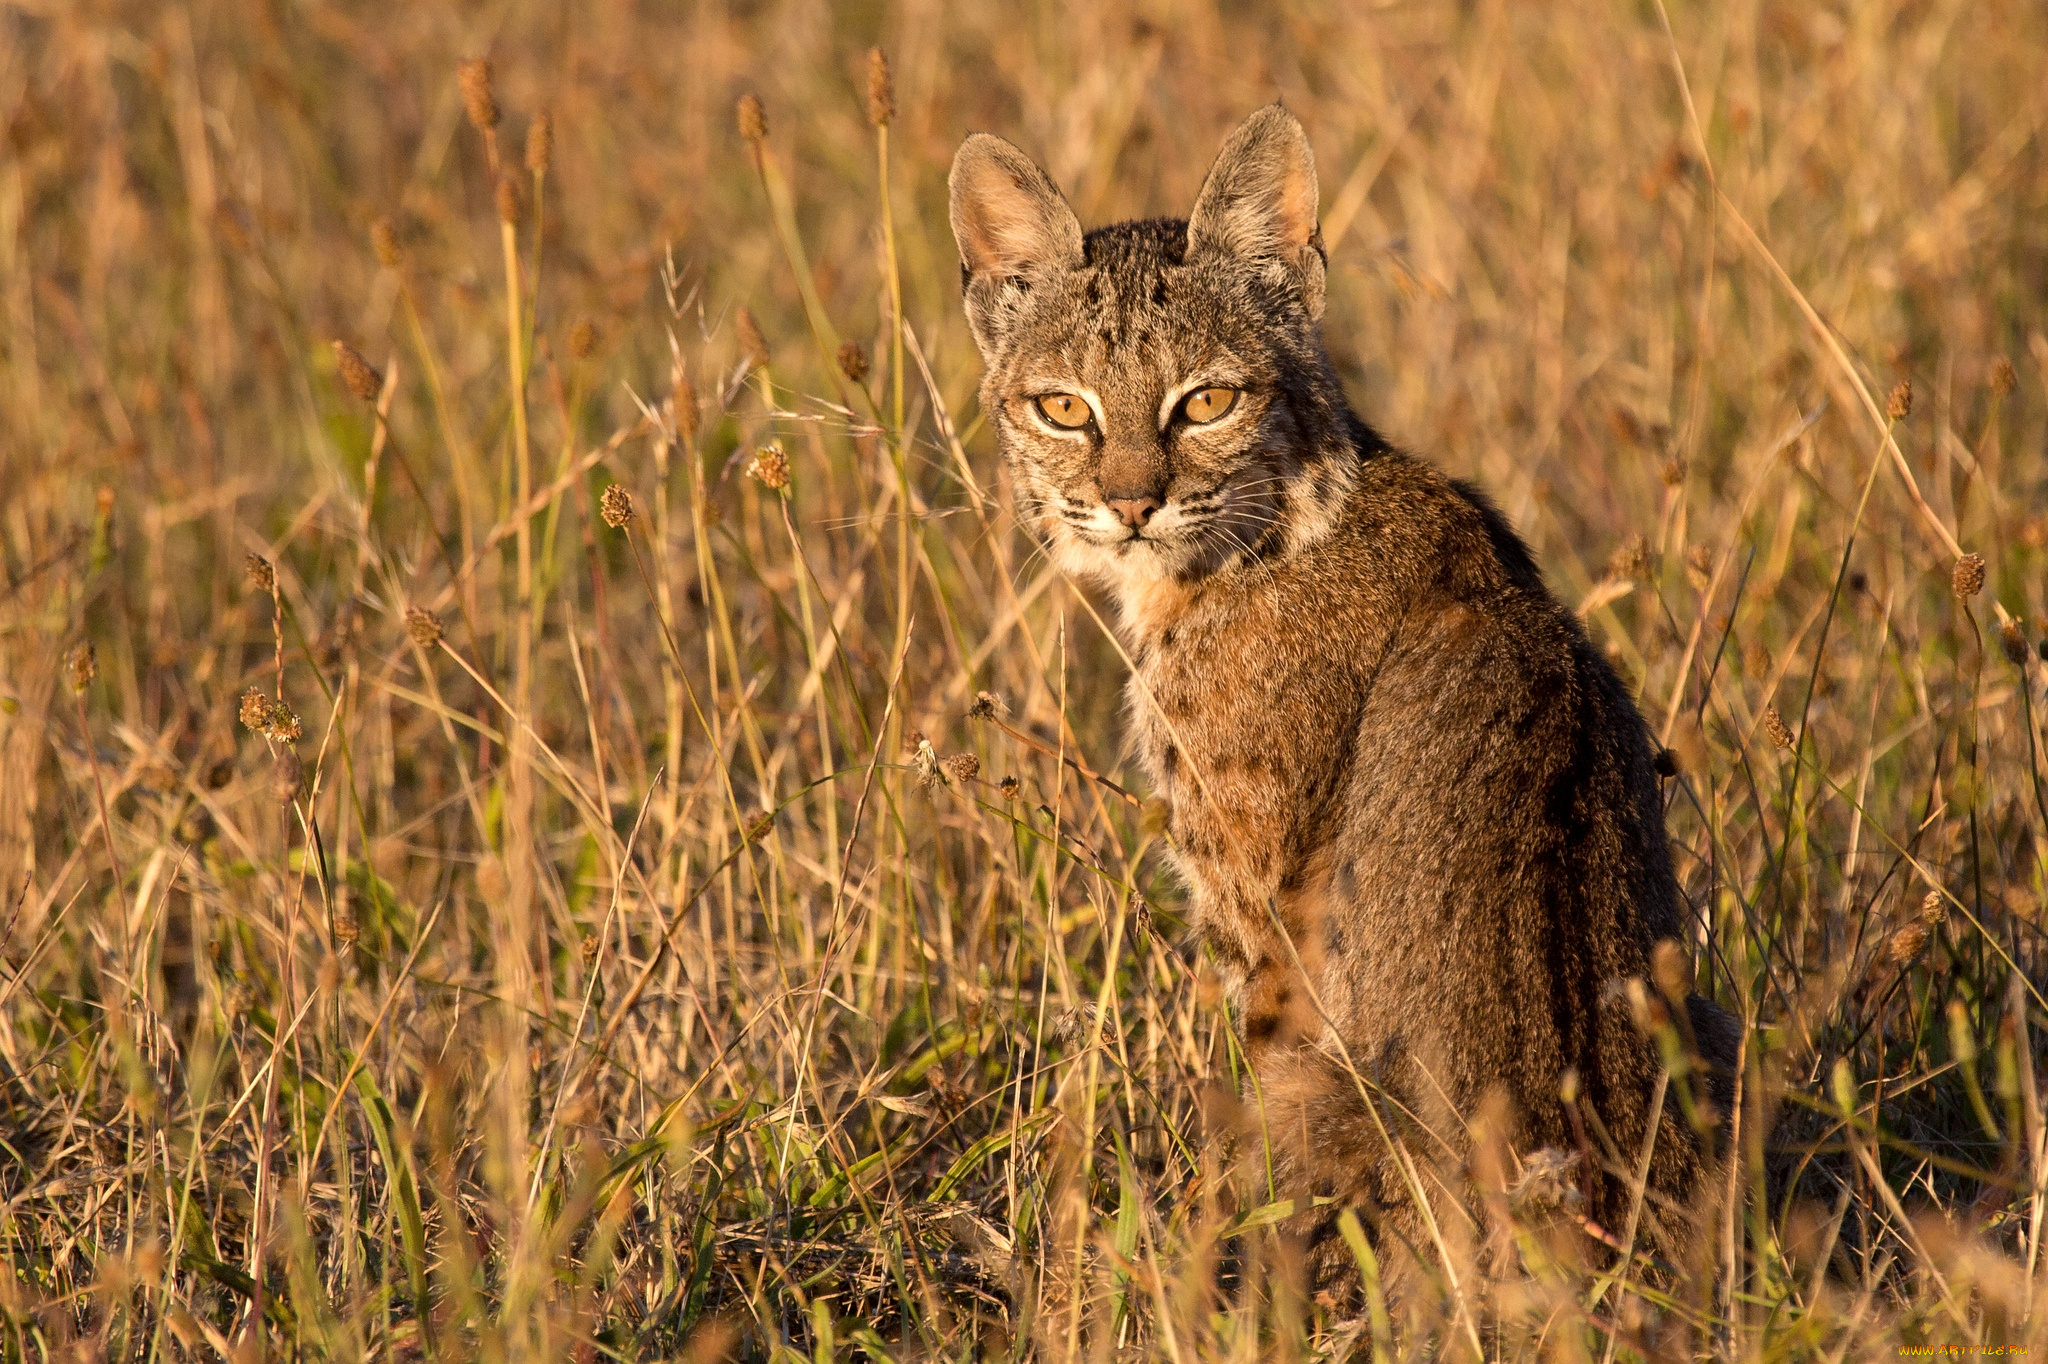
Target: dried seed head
[
  {"x": 423, "y": 625},
  {"x": 1899, "y": 405},
  {"x": 1010, "y": 787},
  {"x": 356, "y": 375},
  {"x": 2004, "y": 379},
  {"x": 477, "y": 97},
  {"x": 1774, "y": 726},
  {"x": 1631, "y": 558},
  {"x": 1699, "y": 567},
  {"x": 925, "y": 759},
  {"x": 963, "y": 767},
  {"x": 81, "y": 666},
  {"x": 1932, "y": 908},
  {"x": 287, "y": 775},
  {"x": 853, "y": 361},
  {"x": 616, "y": 507},
  {"x": 540, "y": 142},
  {"x": 1967, "y": 578},
  {"x": 753, "y": 120},
  {"x": 2013, "y": 641},
  {"x": 384, "y": 241},
  {"x": 683, "y": 407},
  {"x": 1141, "y": 916},
  {"x": 509, "y": 198},
  {"x": 259, "y": 574},
  {"x": 583, "y": 339},
  {"x": 1075, "y": 1024},
  {"x": 1646, "y": 1010},
  {"x": 255, "y": 709},
  {"x": 753, "y": 345},
  {"x": 589, "y": 948},
  {"x": 1549, "y": 1180},
  {"x": 1673, "y": 471},
  {"x": 346, "y": 929},
  {"x": 881, "y": 89},
  {"x": 988, "y": 706},
  {"x": 282, "y": 724},
  {"x": 770, "y": 468},
  {"x": 1907, "y": 942},
  {"x": 1666, "y": 762},
  {"x": 1669, "y": 969}
]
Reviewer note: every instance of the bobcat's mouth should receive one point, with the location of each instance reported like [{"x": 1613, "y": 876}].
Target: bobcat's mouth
[
  {"x": 1123, "y": 540},
  {"x": 1196, "y": 533},
  {"x": 1095, "y": 525}
]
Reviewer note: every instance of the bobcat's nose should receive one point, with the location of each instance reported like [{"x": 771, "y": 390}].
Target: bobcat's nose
[{"x": 1132, "y": 511}]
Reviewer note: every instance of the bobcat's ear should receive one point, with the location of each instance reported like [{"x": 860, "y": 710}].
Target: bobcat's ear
[
  {"x": 1012, "y": 226},
  {"x": 1008, "y": 217},
  {"x": 1259, "y": 203}
]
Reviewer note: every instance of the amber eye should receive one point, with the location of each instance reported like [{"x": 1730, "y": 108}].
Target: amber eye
[
  {"x": 1064, "y": 410},
  {"x": 1208, "y": 404}
]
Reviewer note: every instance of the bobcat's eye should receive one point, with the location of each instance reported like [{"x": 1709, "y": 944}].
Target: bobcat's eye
[
  {"x": 1206, "y": 405},
  {"x": 1064, "y": 410}
]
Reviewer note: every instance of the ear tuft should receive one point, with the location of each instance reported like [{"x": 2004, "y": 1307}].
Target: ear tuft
[
  {"x": 1008, "y": 217},
  {"x": 1259, "y": 201}
]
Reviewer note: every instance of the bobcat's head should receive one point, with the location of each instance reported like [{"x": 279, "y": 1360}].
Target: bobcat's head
[{"x": 1159, "y": 388}]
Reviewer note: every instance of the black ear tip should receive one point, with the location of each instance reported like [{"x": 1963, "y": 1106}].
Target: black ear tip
[
  {"x": 1278, "y": 118},
  {"x": 1271, "y": 126}
]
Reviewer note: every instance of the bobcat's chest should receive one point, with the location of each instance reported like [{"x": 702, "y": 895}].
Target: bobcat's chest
[
  {"x": 1177, "y": 721},
  {"x": 1244, "y": 712},
  {"x": 1221, "y": 746}
]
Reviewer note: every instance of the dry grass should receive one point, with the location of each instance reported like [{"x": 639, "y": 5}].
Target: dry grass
[{"x": 494, "y": 1016}]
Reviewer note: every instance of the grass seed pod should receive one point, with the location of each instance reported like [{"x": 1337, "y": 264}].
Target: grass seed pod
[
  {"x": 356, "y": 375},
  {"x": 479, "y": 100},
  {"x": 881, "y": 89},
  {"x": 540, "y": 143},
  {"x": 751, "y": 118}
]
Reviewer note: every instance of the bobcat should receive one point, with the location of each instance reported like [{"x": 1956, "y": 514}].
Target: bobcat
[{"x": 1417, "y": 812}]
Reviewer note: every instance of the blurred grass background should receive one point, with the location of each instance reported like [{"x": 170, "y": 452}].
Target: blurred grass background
[{"x": 602, "y": 942}]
